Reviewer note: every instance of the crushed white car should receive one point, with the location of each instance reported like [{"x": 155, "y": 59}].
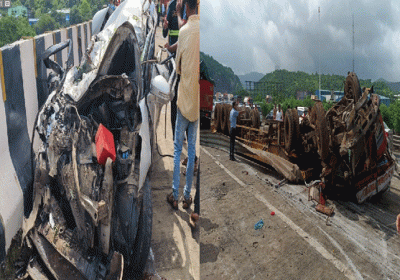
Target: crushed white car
[{"x": 91, "y": 213}]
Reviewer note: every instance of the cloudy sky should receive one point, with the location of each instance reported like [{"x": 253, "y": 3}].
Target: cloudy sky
[{"x": 262, "y": 35}]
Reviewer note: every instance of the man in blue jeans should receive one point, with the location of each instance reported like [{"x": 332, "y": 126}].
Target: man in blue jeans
[
  {"x": 233, "y": 118},
  {"x": 188, "y": 103}
]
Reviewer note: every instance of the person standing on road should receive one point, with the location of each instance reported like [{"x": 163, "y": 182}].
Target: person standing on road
[
  {"x": 175, "y": 18},
  {"x": 188, "y": 103},
  {"x": 233, "y": 118},
  {"x": 279, "y": 113},
  {"x": 158, "y": 12}
]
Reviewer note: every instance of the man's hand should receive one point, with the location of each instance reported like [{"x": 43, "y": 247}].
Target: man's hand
[
  {"x": 179, "y": 7},
  {"x": 166, "y": 46},
  {"x": 398, "y": 224},
  {"x": 165, "y": 25}
]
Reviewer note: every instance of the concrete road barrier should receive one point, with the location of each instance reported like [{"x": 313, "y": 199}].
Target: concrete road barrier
[{"x": 23, "y": 90}]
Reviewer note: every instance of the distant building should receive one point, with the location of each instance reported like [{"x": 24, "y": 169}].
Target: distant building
[
  {"x": 384, "y": 100},
  {"x": 328, "y": 95},
  {"x": 301, "y": 95},
  {"x": 18, "y": 11},
  {"x": 66, "y": 12},
  {"x": 336, "y": 96},
  {"x": 33, "y": 21},
  {"x": 5, "y": 4}
]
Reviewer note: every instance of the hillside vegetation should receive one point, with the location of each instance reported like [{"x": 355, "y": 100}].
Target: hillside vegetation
[
  {"x": 12, "y": 29},
  {"x": 291, "y": 82},
  {"x": 224, "y": 77}
]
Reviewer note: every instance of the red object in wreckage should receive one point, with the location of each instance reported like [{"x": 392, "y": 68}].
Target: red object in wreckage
[{"x": 105, "y": 147}]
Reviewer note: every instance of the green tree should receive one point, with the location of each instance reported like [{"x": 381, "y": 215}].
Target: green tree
[
  {"x": 74, "y": 16},
  {"x": 46, "y": 23},
  {"x": 12, "y": 29},
  {"x": 58, "y": 17},
  {"x": 16, "y": 3},
  {"x": 386, "y": 115},
  {"x": 242, "y": 93},
  {"x": 85, "y": 11},
  {"x": 266, "y": 108}
]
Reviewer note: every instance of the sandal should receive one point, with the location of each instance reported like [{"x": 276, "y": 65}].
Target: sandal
[
  {"x": 194, "y": 217},
  {"x": 171, "y": 200},
  {"x": 187, "y": 202}
]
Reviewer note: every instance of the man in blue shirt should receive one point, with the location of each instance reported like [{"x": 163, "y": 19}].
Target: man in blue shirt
[{"x": 233, "y": 117}]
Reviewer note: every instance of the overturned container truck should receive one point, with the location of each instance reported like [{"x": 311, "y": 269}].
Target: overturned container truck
[{"x": 344, "y": 150}]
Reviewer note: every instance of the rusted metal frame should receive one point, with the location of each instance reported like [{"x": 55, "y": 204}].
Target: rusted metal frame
[{"x": 251, "y": 129}]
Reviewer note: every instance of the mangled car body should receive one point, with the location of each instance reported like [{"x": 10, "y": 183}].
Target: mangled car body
[{"x": 91, "y": 215}]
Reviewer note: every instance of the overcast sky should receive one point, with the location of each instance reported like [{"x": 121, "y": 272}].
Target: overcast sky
[{"x": 257, "y": 35}]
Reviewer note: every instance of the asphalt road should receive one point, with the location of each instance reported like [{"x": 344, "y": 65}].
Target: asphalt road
[{"x": 358, "y": 242}]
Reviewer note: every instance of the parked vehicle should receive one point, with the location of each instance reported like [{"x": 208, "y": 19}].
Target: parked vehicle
[
  {"x": 270, "y": 115},
  {"x": 302, "y": 112},
  {"x": 389, "y": 135},
  {"x": 206, "y": 96}
]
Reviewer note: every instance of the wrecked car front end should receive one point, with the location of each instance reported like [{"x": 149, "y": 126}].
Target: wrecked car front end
[{"x": 91, "y": 215}]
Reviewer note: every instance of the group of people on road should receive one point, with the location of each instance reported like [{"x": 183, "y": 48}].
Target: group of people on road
[
  {"x": 277, "y": 114},
  {"x": 182, "y": 26}
]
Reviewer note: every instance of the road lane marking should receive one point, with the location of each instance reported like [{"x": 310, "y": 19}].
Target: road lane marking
[{"x": 308, "y": 238}]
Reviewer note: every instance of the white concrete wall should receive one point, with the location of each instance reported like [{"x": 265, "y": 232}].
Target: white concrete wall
[
  {"x": 64, "y": 51},
  {"x": 11, "y": 195},
  {"x": 11, "y": 200},
  {"x": 29, "y": 80},
  {"x": 75, "y": 43}
]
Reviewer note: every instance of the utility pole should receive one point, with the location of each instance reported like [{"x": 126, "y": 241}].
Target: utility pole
[
  {"x": 353, "y": 42},
  {"x": 319, "y": 53}
]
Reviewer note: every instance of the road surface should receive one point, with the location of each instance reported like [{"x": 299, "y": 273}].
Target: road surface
[{"x": 358, "y": 242}]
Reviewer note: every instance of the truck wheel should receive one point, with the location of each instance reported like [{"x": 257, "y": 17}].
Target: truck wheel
[
  {"x": 352, "y": 88},
  {"x": 296, "y": 122},
  {"x": 255, "y": 119},
  {"x": 289, "y": 130},
  {"x": 228, "y": 109},
  {"x": 217, "y": 117},
  {"x": 224, "y": 118},
  {"x": 322, "y": 131}
]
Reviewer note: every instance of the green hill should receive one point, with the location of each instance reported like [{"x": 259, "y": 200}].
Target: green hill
[
  {"x": 224, "y": 77},
  {"x": 291, "y": 82}
]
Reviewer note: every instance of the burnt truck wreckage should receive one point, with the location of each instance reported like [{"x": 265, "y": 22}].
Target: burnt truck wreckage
[
  {"x": 91, "y": 210},
  {"x": 344, "y": 150}
]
